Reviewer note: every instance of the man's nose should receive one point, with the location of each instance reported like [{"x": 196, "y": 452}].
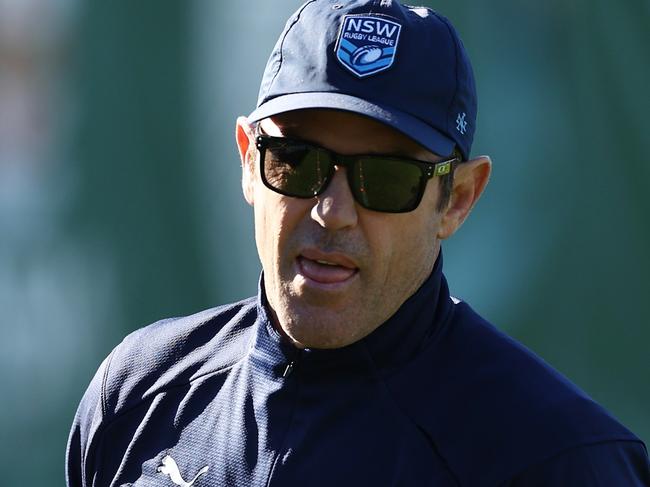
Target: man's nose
[{"x": 335, "y": 208}]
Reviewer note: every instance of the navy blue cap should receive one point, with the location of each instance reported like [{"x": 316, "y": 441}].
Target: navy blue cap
[{"x": 403, "y": 66}]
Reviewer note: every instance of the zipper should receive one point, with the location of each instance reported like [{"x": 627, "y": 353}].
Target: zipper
[
  {"x": 291, "y": 387},
  {"x": 288, "y": 369},
  {"x": 291, "y": 365}
]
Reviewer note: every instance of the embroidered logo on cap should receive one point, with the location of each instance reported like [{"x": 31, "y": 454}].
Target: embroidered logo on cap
[{"x": 367, "y": 44}]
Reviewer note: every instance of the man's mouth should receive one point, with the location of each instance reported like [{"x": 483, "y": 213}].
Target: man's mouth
[{"x": 326, "y": 268}]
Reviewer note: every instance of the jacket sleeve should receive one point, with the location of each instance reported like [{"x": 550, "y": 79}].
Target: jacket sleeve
[
  {"x": 620, "y": 463},
  {"x": 84, "y": 433}
]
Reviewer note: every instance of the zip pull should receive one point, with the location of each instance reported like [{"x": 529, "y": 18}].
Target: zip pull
[
  {"x": 288, "y": 369},
  {"x": 295, "y": 357}
]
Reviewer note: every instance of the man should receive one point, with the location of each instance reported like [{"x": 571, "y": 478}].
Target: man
[{"x": 353, "y": 366}]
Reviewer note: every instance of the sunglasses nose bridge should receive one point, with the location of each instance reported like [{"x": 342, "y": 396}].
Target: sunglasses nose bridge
[
  {"x": 347, "y": 163},
  {"x": 339, "y": 163},
  {"x": 343, "y": 163},
  {"x": 336, "y": 169},
  {"x": 335, "y": 206}
]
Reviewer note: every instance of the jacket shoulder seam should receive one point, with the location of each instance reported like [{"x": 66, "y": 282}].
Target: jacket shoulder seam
[{"x": 119, "y": 413}]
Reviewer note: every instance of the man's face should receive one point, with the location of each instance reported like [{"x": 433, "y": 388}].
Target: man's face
[{"x": 334, "y": 271}]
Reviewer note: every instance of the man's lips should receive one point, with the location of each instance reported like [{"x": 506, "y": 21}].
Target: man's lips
[{"x": 326, "y": 268}]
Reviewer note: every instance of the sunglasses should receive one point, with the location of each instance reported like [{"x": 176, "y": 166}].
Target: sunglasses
[{"x": 388, "y": 184}]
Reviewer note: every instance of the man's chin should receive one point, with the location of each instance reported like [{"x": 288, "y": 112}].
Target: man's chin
[
  {"x": 319, "y": 339},
  {"x": 320, "y": 326}
]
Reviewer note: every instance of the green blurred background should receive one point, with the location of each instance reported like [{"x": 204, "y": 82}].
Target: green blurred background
[{"x": 120, "y": 201}]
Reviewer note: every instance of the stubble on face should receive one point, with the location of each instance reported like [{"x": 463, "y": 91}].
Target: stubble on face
[{"x": 393, "y": 253}]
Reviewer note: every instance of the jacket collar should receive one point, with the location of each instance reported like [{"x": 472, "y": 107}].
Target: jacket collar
[{"x": 395, "y": 342}]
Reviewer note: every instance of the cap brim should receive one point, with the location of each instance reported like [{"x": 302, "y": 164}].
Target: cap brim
[{"x": 410, "y": 126}]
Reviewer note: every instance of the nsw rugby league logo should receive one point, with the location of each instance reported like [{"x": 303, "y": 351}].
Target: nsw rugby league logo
[{"x": 367, "y": 44}]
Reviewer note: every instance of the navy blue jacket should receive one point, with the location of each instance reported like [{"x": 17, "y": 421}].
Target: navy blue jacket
[{"x": 436, "y": 396}]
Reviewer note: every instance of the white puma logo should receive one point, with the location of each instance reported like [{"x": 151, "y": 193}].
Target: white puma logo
[{"x": 170, "y": 468}]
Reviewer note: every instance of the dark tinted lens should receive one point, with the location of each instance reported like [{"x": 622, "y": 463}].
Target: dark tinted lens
[
  {"x": 387, "y": 184},
  {"x": 296, "y": 169}
]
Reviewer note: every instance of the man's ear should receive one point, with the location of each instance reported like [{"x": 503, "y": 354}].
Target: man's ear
[
  {"x": 470, "y": 179},
  {"x": 245, "y": 137}
]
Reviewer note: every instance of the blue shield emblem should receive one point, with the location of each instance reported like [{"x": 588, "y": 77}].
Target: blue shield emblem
[{"x": 367, "y": 44}]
